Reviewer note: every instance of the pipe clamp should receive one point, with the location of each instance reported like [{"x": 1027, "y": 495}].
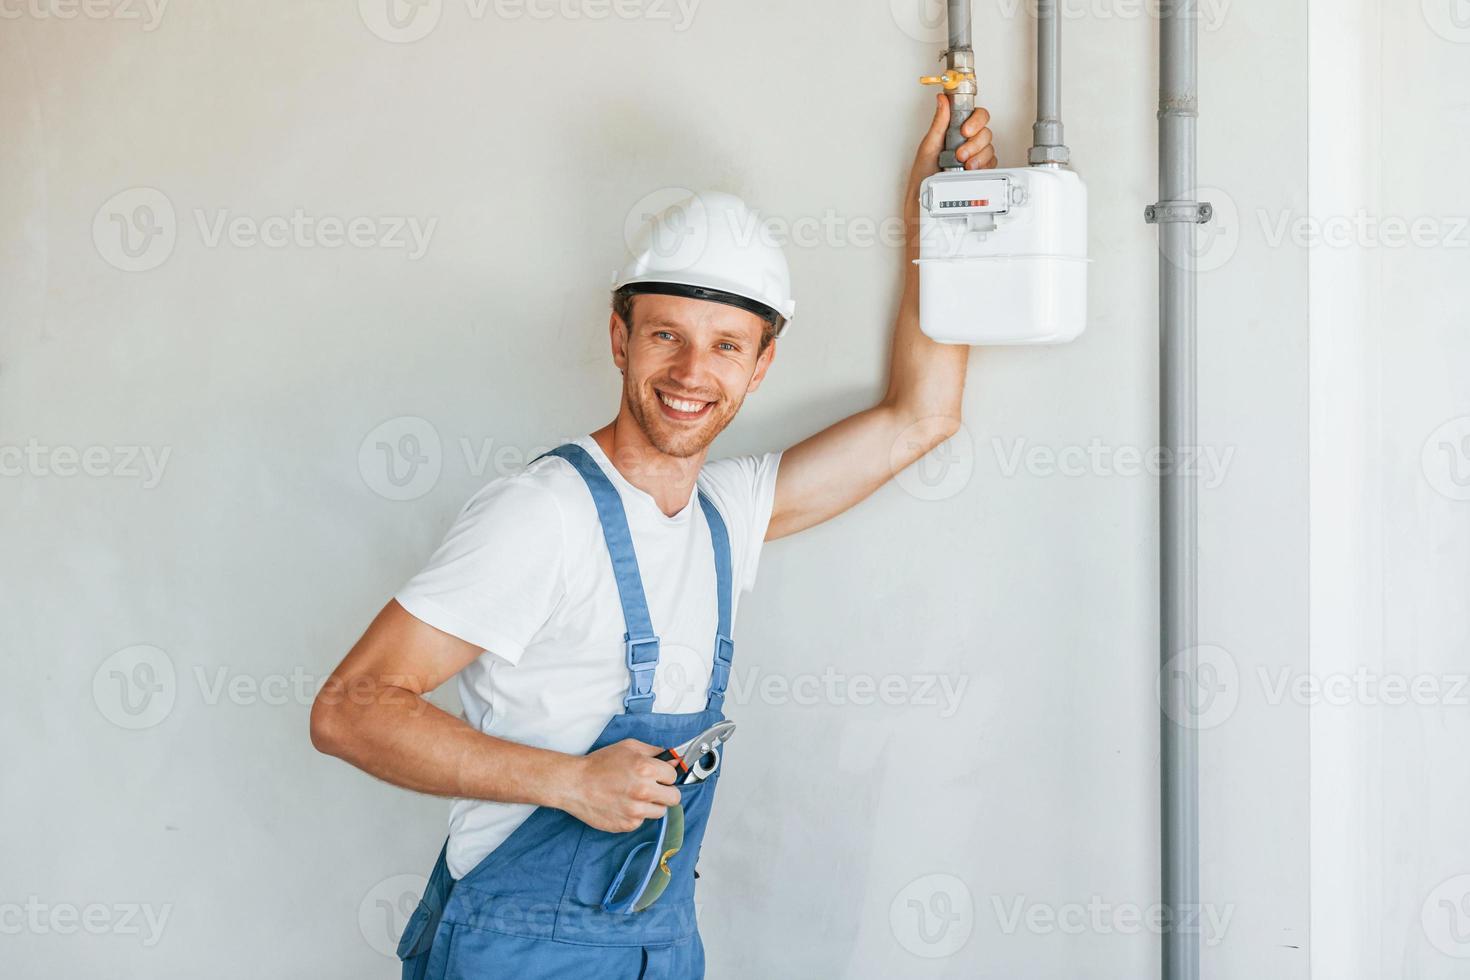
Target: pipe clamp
[{"x": 1192, "y": 212}]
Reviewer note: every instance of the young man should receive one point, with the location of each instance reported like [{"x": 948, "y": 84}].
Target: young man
[{"x": 565, "y": 596}]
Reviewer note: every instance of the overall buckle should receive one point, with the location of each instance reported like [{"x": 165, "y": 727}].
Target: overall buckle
[
  {"x": 640, "y": 690},
  {"x": 724, "y": 657}
]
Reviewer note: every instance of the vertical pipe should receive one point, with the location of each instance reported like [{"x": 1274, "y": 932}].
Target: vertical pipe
[
  {"x": 959, "y": 23},
  {"x": 1179, "y": 750},
  {"x": 959, "y": 57},
  {"x": 1047, "y": 144}
]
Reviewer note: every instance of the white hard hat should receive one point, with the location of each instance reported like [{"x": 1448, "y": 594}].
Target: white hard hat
[{"x": 711, "y": 246}]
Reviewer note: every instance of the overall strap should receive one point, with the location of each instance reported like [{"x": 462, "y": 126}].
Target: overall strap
[
  {"x": 640, "y": 644},
  {"x": 724, "y": 646}
]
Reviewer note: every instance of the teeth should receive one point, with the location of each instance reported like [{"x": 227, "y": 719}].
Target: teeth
[{"x": 679, "y": 405}]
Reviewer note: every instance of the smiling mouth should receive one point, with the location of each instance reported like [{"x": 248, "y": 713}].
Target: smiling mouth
[{"x": 682, "y": 409}]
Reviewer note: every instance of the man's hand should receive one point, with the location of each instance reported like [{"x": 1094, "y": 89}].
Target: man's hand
[
  {"x": 618, "y": 787},
  {"x": 827, "y": 473},
  {"x": 976, "y": 153}
]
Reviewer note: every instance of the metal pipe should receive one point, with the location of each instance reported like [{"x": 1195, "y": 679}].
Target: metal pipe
[
  {"x": 960, "y": 58},
  {"x": 1048, "y": 146},
  {"x": 959, "y": 23},
  {"x": 1176, "y": 213}
]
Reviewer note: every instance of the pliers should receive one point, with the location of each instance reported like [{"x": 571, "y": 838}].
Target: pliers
[{"x": 698, "y": 758}]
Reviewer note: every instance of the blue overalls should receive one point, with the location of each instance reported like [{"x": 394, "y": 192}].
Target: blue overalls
[{"x": 531, "y": 910}]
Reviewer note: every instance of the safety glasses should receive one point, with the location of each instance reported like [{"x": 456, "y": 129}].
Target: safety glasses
[{"x": 645, "y": 871}]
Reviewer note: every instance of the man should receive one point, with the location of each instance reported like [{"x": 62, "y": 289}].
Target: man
[{"x": 565, "y": 595}]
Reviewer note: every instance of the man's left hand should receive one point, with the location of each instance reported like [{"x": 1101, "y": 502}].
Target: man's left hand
[{"x": 976, "y": 153}]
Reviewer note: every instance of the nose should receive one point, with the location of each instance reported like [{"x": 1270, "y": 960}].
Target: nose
[{"x": 689, "y": 369}]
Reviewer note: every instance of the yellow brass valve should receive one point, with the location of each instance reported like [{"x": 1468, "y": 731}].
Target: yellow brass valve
[{"x": 950, "y": 80}]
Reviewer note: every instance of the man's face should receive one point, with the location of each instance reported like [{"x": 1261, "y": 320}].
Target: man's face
[{"x": 687, "y": 366}]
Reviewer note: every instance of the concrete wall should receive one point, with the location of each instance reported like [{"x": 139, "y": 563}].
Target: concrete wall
[{"x": 165, "y": 626}]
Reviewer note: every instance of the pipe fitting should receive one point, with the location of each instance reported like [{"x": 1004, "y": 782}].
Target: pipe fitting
[
  {"x": 960, "y": 62},
  {"x": 1049, "y": 156},
  {"x": 1048, "y": 145}
]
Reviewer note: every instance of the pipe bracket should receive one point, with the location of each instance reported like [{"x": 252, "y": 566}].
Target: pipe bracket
[{"x": 1191, "y": 212}]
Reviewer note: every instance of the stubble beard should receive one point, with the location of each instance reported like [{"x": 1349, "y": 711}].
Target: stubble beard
[{"x": 670, "y": 438}]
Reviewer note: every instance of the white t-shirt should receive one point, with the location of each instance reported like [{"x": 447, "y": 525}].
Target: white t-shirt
[{"x": 524, "y": 574}]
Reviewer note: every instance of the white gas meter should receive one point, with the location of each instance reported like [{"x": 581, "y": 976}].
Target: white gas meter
[{"x": 1003, "y": 256}]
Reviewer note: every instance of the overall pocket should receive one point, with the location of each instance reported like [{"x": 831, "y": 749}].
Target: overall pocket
[
  {"x": 418, "y": 934},
  {"x": 698, "y": 799},
  {"x": 601, "y": 855}
]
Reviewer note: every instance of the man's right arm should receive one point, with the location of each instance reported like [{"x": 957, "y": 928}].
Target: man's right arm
[{"x": 372, "y": 713}]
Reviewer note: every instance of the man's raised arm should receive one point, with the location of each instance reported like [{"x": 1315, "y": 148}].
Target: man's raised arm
[{"x": 827, "y": 473}]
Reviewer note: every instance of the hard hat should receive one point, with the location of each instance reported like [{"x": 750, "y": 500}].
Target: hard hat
[{"x": 710, "y": 246}]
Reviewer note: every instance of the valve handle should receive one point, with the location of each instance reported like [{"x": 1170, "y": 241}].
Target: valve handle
[{"x": 950, "y": 79}]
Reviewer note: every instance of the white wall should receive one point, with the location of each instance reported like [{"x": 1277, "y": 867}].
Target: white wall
[
  {"x": 1391, "y": 870},
  {"x": 268, "y": 543},
  {"x": 1346, "y": 533},
  {"x": 1425, "y": 455},
  {"x": 1253, "y": 526}
]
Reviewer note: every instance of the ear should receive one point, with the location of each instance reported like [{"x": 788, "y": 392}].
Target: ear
[
  {"x": 762, "y": 364},
  {"x": 619, "y": 335}
]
